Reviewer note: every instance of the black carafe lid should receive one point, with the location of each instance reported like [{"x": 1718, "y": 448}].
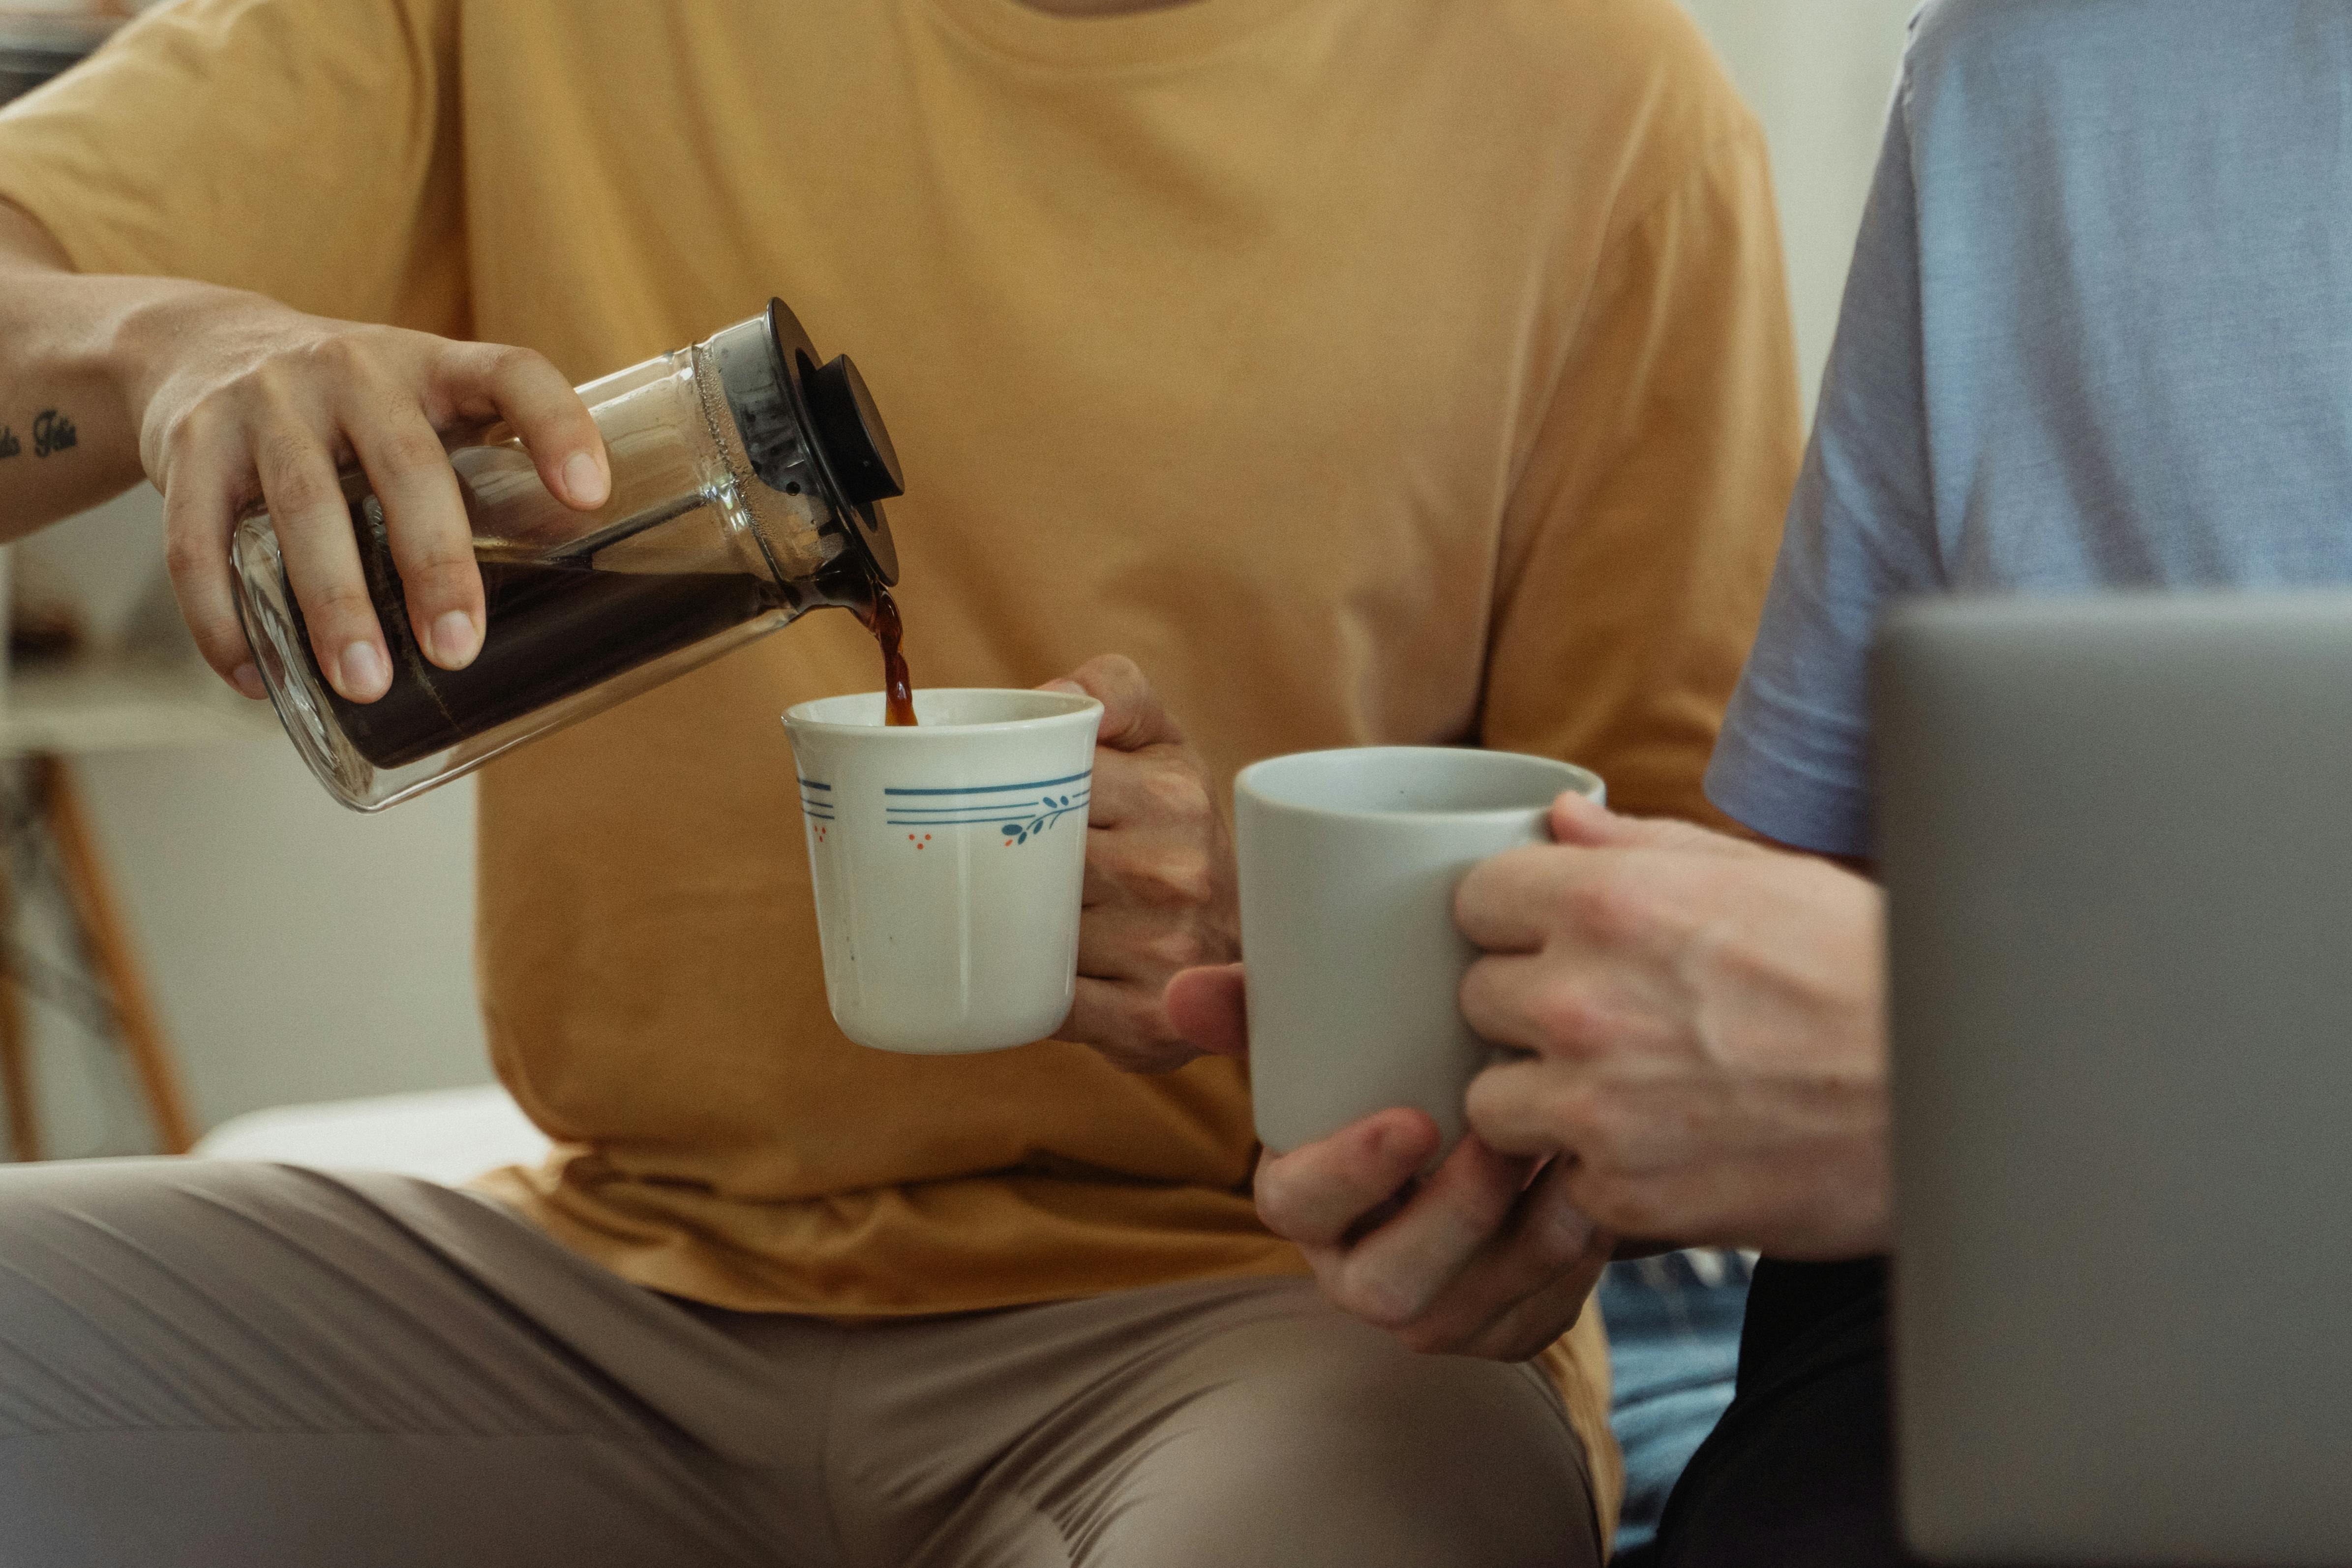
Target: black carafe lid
[{"x": 807, "y": 424}]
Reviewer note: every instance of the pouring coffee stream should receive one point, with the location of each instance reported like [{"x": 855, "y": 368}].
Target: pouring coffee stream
[
  {"x": 747, "y": 478},
  {"x": 880, "y": 614}
]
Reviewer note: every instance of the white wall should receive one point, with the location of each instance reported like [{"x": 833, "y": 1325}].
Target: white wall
[
  {"x": 1819, "y": 74},
  {"x": 303, "y": 953},
  {"x": 297, "y": 950}
]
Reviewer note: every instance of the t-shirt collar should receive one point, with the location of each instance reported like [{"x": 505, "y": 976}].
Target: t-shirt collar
[{"x": 1170, "y": 36}]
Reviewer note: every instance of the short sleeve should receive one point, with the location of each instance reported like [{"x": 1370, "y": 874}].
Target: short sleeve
[
  {"x": 1793, "y": 760},
  {"x": 303, "y": 149},
  {"x": 1641, "y": 531}
]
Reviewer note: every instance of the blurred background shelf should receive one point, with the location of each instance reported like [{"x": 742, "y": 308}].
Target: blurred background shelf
[{"x": 121, "y": 703}]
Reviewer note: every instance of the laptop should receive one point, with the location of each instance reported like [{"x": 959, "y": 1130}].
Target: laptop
[{"x": 2117, "y": 836}]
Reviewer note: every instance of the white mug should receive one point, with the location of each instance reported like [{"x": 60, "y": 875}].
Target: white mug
[
  {"x": 948, "y": 859},
  {"x": 1349, "y": 860}
]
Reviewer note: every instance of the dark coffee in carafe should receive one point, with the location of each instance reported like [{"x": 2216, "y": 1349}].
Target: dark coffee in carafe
[
  {"x": 748, "y": 478},
  {"x": 551, "y": 629}
]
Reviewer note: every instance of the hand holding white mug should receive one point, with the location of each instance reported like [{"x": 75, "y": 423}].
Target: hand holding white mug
[
  {"x": 1709, "y": 1019},
  {"x": 1350, "y": 863},
  {"x": 1487, "y": 1257},
  {"x": 1160, "y": 873}
]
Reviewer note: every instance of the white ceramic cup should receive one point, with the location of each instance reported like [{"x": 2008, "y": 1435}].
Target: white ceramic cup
[
  {"x": 1350, "y": 861},
  {"x": 948, "y": 859}
]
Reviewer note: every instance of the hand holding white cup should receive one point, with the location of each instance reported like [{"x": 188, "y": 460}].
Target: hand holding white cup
[{"x": 1349, "y": 860}]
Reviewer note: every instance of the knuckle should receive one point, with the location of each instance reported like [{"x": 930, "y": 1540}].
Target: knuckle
[
  {"x": 1179, "y": 883},
  {"x": 438, "y": 579},
  {"x": 1178, "y": 794},
  {"x": 337, "y": 606},
  {"x": 1114, "y": 670},
  {"x": 1568, "y": 1017},
  {"x": 194, "y": 429},
  {"x": 1610, "y": 908},
  {"x": 409, "y": 450},
  {"x": 1151, "y": 876},
  {"x": 1378, "y": 1301},
  {"x": 296, "y": 491},
  {"x": 188, "y": 555},
  {"x": 286, "y": 454},
  {"x": 1170, "y": 950},
  {"x": 337, "y": 356},
  {"x": 267, "y": 382},
  {"x": 337, "y": 612},
  {"x": 1277, "y": 1197},
  {"x": 509, "y": 367}
]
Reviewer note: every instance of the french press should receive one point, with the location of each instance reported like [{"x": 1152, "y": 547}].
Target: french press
[{"x": 747, "y": 478}]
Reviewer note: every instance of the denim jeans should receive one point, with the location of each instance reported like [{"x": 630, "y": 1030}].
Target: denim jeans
[{"x": 1674, "y": 1351}]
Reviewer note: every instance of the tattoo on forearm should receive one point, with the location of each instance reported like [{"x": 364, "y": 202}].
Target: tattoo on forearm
[{"x": 52, "y": 432}]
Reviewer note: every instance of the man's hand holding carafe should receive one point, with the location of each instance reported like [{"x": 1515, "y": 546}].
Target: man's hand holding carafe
[{"x": 228, "y": 400}]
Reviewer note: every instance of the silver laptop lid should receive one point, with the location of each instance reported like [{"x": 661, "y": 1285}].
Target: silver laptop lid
[{"x": 2117, "y": 835}]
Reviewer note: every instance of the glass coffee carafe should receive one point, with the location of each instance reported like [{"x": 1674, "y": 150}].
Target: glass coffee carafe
[{"x": 746, "y": 482}]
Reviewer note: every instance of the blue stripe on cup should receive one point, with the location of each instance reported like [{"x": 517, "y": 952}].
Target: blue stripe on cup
[{"x": 1019, "y": 811}]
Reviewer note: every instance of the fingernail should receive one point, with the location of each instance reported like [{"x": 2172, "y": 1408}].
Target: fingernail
[
  {"x": 455, "y": 640},
  {"x": 1072, "y": 687},
  {"x": 582, "y": 481},
  {"x": 247, "y": 680},
  {"x": 365, "y": 675}
]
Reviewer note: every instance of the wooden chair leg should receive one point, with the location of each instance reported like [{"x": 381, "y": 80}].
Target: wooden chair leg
[
  {"x": 108, "y": 937},
  {"x": 16, "y": 1050}
]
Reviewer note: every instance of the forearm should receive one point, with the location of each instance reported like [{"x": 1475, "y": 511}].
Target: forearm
[{"x": 68, "y": 428}]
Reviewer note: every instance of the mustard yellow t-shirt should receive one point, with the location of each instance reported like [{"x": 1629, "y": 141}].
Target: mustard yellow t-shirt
[{"x": 1371, "y": 370}]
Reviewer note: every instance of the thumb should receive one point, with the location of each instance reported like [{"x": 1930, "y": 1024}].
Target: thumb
[
  {"x": 1133, "y": 716},
  {"x": 1588, "y": 825},
  {"x": 1207, "y": 1007}
]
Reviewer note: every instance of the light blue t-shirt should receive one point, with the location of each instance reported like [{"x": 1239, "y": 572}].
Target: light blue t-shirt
[{"x": 2098, "y": 332}]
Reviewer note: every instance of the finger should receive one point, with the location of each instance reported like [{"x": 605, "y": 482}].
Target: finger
[
  {"x": 1580, "y": 820},
  {"x": 1163, "y": 792},
  {"x": 1208, "y": 1007},
  {"x": 1156, "y": 858},
  {"x": 1395, "y": 1274},
  {"x": 1124, "y": 941},
  {"x": 490, "y": 380},
  {"x": 1509, "y": 902},
  {"x": 425, "y": 520},
  {"x": 1543, "y": 1240},
  {"x": 1124, "y": 1021},
  {"x": 199, "y": 520},
  {"x": 313, "y": 520},
  {"x": 1314, "y": 1194},
  {"x": 1588, "y": 825},
  {"x": 1498, "y": 1003},
  {"x": 1529, "y": 1329},
  {"x": 1554, "y": 1004},
  {"x": 1533, "y": 1108},
  {"x": 1133, "y": 717}
]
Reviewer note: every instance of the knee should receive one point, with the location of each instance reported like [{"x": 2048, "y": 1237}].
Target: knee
[
  {"x": 1342, "y": 1447},
  {"x": 79, "y": 1212}
]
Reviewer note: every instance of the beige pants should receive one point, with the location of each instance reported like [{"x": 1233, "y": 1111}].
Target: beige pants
[{"x": 265, "y": 1367}]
